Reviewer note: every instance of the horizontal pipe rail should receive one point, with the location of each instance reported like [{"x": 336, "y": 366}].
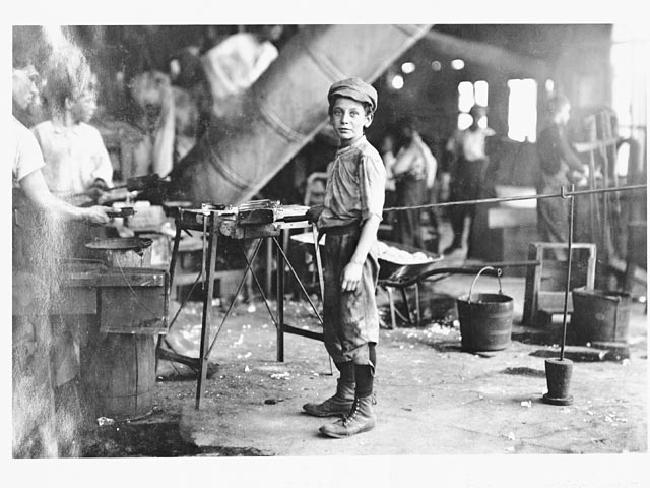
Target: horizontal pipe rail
[{"x": 563, "y": 194}]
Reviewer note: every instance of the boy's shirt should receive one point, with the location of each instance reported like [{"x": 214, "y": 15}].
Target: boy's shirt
[
  {"x": 74, "y": 157},
  {"x": 355, "y": 186}
]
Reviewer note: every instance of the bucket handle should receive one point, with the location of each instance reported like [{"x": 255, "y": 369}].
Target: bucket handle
[{"x": 485, "y": 268}]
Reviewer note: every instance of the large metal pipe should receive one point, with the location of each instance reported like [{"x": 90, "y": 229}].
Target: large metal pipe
[{"x": 285, "y": 107}]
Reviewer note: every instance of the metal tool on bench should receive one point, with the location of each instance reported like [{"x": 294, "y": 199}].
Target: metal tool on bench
[
  {"x": 121, "y": 212},
  {"x": 261, "y": 212}
]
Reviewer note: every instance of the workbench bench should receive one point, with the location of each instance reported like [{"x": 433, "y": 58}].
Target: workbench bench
[{"x": 212, "y": 226}]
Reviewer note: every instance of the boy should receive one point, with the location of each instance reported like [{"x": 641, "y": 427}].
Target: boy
[
  {"x": 76, "y": 162},
  {"x": 350, "y": 217},
  {"x": 76, "y": 158}
]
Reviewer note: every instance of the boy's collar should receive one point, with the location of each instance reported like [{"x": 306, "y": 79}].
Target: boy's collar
[{"x": 353, "y": 143}]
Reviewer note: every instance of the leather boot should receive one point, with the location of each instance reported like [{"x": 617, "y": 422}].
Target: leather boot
[
  {"x": 337, "y": 405},
  {"x": 359, "y": 419}
]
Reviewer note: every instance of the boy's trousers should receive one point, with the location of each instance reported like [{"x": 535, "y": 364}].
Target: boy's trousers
[{"x": 351, "y": 320}]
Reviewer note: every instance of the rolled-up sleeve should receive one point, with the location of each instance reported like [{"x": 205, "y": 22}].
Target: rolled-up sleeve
[{"x": 372, "y": 175}]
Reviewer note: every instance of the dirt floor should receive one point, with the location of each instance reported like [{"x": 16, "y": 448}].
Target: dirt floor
[{"x": 432, "y": 398}]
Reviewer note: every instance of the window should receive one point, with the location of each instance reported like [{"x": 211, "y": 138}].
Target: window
[
  {"x": 522, "y": 110},
  {"x": 470, "y": 94}
]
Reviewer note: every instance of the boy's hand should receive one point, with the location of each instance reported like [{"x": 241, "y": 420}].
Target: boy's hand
[
  {"x": 313, "y": 213},
  {"x": 351, "y": 276},
  {"x": 96, "y": 214}
]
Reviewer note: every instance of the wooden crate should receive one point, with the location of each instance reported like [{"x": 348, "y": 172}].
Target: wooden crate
[{"x": 546, "y": 282}]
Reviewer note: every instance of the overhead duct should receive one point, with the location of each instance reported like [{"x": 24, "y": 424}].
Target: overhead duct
[
  {"x": 285, "y": 107},
  {"x": 486, "y": 55}
]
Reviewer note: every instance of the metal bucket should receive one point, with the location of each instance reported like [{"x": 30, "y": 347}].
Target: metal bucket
[
  {"x": 129, "y": 252},
  {"x": 485, "y": 318},
  {"x": 600, "y": 316}
]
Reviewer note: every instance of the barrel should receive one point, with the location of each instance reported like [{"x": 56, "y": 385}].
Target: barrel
[
  {"x": 120, "y": 373},
  {"x": 600, "y": 316},
  {"x": 485, "y": 322},
  {"x": 239, "y": 153}
]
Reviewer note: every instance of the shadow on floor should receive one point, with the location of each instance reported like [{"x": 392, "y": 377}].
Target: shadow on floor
[{"x": 158, "y": 439}]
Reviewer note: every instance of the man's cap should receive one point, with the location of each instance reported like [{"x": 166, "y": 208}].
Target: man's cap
[{"x": 355, "y": 89}]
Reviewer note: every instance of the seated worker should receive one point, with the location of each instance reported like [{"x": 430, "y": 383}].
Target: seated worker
[
  {"x": 350, "y": 217},
  {"x": 76, "y": 159},
  {"x": 36, "y": 213},
  {"x": 414, "y": 171}
]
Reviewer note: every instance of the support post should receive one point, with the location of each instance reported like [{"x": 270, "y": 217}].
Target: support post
[{"x": 208, "y": 288}]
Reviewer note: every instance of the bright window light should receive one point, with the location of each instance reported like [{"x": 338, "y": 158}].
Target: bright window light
[
  {"x": 457, "y": 64},
  {"x": 628, "y": 58},
  {"x": 481, "y": 88},
  {"x": 522, "y": 110},
  {"x": 464, "y": 121},
  {"x": 549, "y": 85},
  {"x": 465, "y": 96},
  {"x": 408, "y": 68},
  {"x": 397, "y": 82}
]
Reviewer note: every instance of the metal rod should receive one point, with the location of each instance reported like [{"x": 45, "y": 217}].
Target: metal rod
[
  {"x": 319, "y": 264},
  {"x": 259, "y": 288},
  {"x": 310, "y": 334},
  {"x": 172, "y": 265},
  {"x": 208, "y": 287},
  {"x": 521, "y": 197},
  {"x": 568, "y": 274},
  {"x": 235, "y": 298},
  {"x": 295, "y": 275},
  {"x": 279, "y": 300}
]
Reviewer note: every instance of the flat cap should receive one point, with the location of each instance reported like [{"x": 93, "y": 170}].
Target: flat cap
[{"x": 355, "y": 89}]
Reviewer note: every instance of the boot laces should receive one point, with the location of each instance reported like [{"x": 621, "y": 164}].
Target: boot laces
[{"x": 352, "y": 413}]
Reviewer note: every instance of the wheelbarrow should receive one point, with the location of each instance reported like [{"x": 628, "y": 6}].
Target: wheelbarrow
[{"x": 405, "y": 276}]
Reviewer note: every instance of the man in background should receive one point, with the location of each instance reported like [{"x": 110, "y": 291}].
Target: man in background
[{"x": 465, "y": 178}]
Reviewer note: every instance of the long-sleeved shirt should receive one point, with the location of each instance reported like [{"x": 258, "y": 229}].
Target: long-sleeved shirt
[{"x": 74, "y": 157}]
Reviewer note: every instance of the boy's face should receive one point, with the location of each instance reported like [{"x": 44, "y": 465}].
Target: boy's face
[
  {"x": 83, "y": 108},
  {"x": 349, "y": 119}
]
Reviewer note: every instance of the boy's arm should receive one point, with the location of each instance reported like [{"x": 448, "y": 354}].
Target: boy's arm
[
  {"x": 35, "y": 188},
  {"x": 353, "y": 270},
  {"x": 373, "y": 182}
]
